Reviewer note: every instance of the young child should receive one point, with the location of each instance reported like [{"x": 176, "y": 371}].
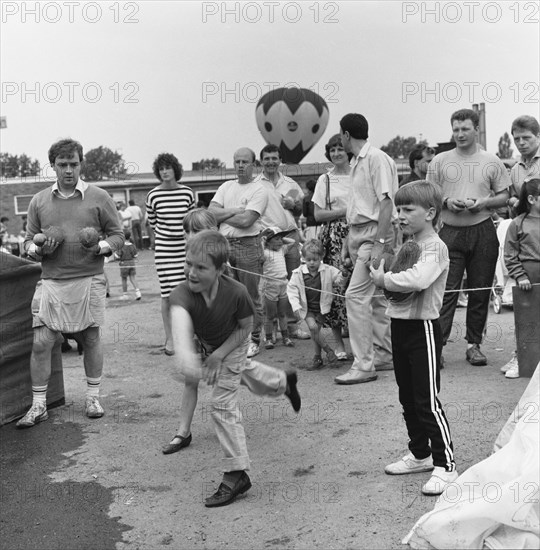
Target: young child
[
  {"x": 417, "y": 340},
  {"x": 194, "y": 222},
  {"x": 127, "y": 255},
  {"x": 274, "y": 285},
  {"x": 219, "y": 311},
  {"x": 310, "y": 295},
  {"x": 522, "y": 249}
]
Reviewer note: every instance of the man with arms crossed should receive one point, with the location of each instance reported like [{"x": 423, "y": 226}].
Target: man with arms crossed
[{"x": 238, "y": 205}]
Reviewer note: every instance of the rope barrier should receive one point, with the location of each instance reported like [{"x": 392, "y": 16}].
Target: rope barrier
[{"x": 108, "y": 264}]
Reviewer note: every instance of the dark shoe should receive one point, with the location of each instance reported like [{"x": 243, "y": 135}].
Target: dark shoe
[
  {"x": 168, "y": 351},
  {"x": 475, "y": 356},
  {"x": 225, "y": 495},
  {"x": 175, "y": 447},
  {"x": 317, "y": 363},
  {"x": 292, "y": 391}
]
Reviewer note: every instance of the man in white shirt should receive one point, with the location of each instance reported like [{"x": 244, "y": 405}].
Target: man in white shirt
[
  {"x": 238, "y": 206},
  {"x": 137, "y": 218}
]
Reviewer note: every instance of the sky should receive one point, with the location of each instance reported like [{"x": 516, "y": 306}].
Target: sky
[{"x": 144, "y": 78}]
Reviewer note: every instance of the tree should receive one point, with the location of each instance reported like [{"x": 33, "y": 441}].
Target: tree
[
  {"x": 208, "y": 164},
  {"x": 102, "y": 163},
  {"x": 400, "y": 147},
  {"x": 15, "y": 166},
  {"x": 505, "y": 149}
]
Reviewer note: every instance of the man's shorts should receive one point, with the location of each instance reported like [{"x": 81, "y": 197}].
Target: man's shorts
[
  {"x": 69, "y": 305},
  {"x": 274, "y": 290},
  {"x": 126, "y": 271}
]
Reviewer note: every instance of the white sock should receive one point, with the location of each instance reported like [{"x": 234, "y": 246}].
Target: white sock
[
  {"x": 39, "y": 394},
  {"x": 92, "y": 386}
]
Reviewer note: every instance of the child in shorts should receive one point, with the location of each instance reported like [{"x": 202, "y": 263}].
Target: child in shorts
[
  {"x": 274, "y": 284},
  {"x": 310, "y": 292},
  {"x": 417, "y": 338},
  {"x": 219, "y": 312},
  {"x": 127, "y": 256}
]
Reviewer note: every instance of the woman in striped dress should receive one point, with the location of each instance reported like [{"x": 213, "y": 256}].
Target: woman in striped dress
[{"x": 166, "y": 206}]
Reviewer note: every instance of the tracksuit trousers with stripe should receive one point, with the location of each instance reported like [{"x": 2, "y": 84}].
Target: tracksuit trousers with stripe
[{"x": 416, "y": 348}]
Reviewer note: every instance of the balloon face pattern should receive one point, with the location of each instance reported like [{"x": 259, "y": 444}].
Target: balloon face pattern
[{"x": 293, "y": 119}]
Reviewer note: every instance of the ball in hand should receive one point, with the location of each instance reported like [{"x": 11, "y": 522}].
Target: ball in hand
[{"x": 88, "y": 237}]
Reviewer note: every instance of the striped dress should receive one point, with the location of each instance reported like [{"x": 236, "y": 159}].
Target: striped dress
[{"x": 166, "y": 209}]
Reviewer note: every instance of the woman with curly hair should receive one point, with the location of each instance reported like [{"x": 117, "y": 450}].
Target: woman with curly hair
[
  {"x": 330, "y": 199},
  {"x": 166, "y": 206}
]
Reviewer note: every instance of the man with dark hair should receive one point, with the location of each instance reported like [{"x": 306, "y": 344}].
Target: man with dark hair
[
  {"x": 419, "y": 159},
  {"x": 71, "y": 226},
  {"x": 290, "y": 196},
  {"x": 473, "y": 183},
  {"x": 526, "y": 134},
  {"x": 370, "y": 212},
  {"x": 238, "y": 206}
]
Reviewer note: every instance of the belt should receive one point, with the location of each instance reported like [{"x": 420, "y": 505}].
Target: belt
[{"x": 240, "y": 239}]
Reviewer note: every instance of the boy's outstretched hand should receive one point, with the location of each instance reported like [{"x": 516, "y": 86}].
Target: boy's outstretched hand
[
  {"x": 378, "y": 274},
  {"x": 212, "y": 369}
]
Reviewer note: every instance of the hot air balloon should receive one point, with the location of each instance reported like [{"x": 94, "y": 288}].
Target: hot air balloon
[{"x": 293, "y": 119}]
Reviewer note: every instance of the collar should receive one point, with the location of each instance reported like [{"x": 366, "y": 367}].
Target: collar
[
  {"x": 304, "y": 268},
  {"x": 263, "y": 177},
  {"x": 361, "y": 154},
  {"x": 81, "y": 187},
  {"x": 524, "y": 163}
]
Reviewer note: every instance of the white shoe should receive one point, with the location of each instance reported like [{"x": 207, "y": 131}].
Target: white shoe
[
  {"x": 253, "y": 349},
  {"x": 438, "y": 481},
  {"x": 512, "y": 372},
  {"x": 513, "y": 363},
  {"x": 409, "y": 464},
  {"x": 355, "y": 376},
  {"x": 37, "y": 413},
  {"x": 93, "y": 408},
  {"x": 138, "y": 294},
  {"x": 124, "y": 297}
]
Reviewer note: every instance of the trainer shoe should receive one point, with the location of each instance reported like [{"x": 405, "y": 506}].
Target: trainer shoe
[
  {"x": 438, "y": 481},
  {"x": 253, "y": 349},
  {"x": 511, "y": 364},
  {"x": 409, "y": 464},
  {"x": 269, "y": 345},
  {"x": 124, "y": 297},
  {"x": 475, "y": 357},
  {"x": 288, "y": 342},
  {"x": 512, "y": 372},
  {"x": 355, "y": 376},
  {"x": 92, "y": 408},
  {"x": 138, "y": 294},
  {"x": 37, "y": 413},
  {"x": 300, "y": 334}
]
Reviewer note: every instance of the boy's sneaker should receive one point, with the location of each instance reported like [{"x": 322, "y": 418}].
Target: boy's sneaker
[
  {"x": 92, "y": 408},
  {"x": 288, "y": 342},
  {"x": 475, "y": 357},
  {"x": 438, "y": 481},
  {"x": 409, "y": 464},
  {"x": 513, "y": 363},
  {"x": 138, "y": 294},
  {"x": 37, "y": 413},
  {"x": 512, "y": 372},
  {"x": 269, "y": 344},
  {"x": 253, "y": 349},
  {"x": 124, "y": 297}
]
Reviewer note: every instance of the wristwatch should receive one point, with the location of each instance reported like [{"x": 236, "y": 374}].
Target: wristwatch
[{"x": 381, "y": 240}]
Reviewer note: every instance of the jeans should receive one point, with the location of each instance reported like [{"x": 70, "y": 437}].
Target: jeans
[
  {"x": 260, "y": 379},
  {"x": 247, "y": 255},
  {"x": 474, "y": 249}
]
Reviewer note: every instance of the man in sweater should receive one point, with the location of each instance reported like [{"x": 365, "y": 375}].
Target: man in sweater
[{"x": 71, "y": 226}]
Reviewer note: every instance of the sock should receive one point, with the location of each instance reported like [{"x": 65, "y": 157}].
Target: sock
[
  {"x": 39, "y": 394},
  {"x": 268, "y": 337},
  {"x": 230, "y": 478},
  {"x": 469, "y": 346},
  {"x": 92, "y": 386}
]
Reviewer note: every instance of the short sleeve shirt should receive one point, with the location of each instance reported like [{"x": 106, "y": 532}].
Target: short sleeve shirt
[
  {"x": 467, "y": 177},
  {"x": 523, "y": 171},
  {"x": 340, "y": 187},
  {"x": 252, "y": 196},
  {"x": 214, "y": 324},
  {"x": 373, "y": 177}
]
